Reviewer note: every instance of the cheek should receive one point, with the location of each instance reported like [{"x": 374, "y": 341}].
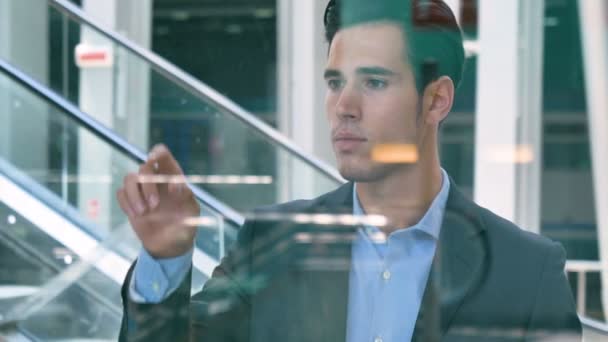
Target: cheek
[
  {"x": 391, "y": 118},
  {"x": 330, "y": 105}
]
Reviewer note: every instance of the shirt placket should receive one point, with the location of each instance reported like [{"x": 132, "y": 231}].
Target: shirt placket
[{"x": 382, "y": 279}]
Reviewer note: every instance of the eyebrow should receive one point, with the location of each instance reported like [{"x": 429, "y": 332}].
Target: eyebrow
[
  {"x": 375, "y": 71},
  {"x": 330, "y": 73}
]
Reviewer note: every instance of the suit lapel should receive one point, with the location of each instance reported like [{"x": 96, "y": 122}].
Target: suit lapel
[{"x": 457, "y": 269}]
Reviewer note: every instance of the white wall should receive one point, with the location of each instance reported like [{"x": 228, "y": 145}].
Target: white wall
[{"x": 302, "y": 57}]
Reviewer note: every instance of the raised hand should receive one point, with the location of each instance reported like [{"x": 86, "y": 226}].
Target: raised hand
[{"x": 157, "y": 200}]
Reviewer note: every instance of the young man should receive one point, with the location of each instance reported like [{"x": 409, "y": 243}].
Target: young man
[{"x": 441, "y": 268}]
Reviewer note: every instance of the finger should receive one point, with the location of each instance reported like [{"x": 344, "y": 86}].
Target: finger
[
  {"x": 177, "y": 186},
  {"x": 162, "y": 157},
  {"x": 149, "y": 188},
  {"x": 134, "y": 196},
  {"x": 124, "y": 203}
]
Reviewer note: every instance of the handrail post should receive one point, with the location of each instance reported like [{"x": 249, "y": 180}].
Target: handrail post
[{"x": 581, "y": 292}]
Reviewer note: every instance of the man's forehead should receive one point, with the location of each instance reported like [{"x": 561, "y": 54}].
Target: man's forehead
[{"x": 375, "y": 42}]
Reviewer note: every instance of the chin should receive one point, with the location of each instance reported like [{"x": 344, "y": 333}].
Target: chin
[
  {"x": 361, "y": 173},
  {"x": 366, "y": 171}
]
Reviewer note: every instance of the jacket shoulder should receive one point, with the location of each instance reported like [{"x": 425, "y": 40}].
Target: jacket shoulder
[{"x": 510, "y": 235}]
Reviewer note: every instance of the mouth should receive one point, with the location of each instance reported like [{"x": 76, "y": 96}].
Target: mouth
[{"x": 347, "y": 142}]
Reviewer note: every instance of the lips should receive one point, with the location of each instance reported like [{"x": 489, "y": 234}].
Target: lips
[{"x": 347, "y": 142}]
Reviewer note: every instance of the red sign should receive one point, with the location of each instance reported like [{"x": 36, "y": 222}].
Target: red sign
[{"x": 92, "y": 56}]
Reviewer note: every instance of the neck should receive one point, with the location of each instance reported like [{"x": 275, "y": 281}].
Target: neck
[{"x": 405, "y": 195}]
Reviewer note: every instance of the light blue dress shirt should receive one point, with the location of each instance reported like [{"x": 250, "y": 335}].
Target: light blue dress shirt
[
  {"x": 387, "y": 278},
  {"x": 389, "y": 274},
  {"x": 155, "y": 279}
]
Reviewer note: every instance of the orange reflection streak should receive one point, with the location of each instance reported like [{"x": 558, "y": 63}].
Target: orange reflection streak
[
  {"x": 509, "y": 154},
  {"x": 395, "y": 153}
]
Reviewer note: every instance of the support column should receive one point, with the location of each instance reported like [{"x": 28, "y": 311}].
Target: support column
[
  {"x": 594, "y": 31},
  {"x": 24, "y": 43},
  {"x": 118, "y": 97},
  {"x": 133, "y": 84},
  {"x": 5, "y": 34},
  {"x": 97, "y": 99},
  {"x": 302, "y": 57},
  {"x": 508, "y": 154}
]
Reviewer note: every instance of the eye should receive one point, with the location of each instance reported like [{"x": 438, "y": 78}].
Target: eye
[
  {"x": 376, "y": 84},
  {"x": 335, "y": 84}
]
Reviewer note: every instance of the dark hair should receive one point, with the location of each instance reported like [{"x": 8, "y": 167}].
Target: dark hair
[{"x": 433, "y": 37}]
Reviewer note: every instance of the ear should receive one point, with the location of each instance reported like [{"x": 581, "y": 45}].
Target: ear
[{"x": 438, "y": 100}]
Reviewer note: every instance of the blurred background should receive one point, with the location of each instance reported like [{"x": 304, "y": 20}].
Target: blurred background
[{"x": 235, "y": 89}]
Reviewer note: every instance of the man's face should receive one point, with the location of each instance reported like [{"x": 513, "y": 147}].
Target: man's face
[{"x": 371, "y": 98}]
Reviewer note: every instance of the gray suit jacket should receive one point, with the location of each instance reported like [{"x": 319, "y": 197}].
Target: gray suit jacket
[{"x": 285, "y": 281}]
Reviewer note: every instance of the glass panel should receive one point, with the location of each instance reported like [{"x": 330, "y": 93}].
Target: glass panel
[
  {"x": 418, "y": 269},
  {"x": 38, "y": 255},
  {"x": 37, "y": 268},
  {"x": 98, "y": 316},
  {"x": 147, "y": 107},
  {"x": 95, "y": 186}
]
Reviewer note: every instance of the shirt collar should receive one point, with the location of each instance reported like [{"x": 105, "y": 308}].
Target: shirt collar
[{"x": 432, "y": 219}]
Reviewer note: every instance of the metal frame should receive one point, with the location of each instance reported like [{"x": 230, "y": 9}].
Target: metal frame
[
  {"x": 110, "y": 137},
  {"x": 198, "y": 88},
  {"x": 581, "y": 268}
]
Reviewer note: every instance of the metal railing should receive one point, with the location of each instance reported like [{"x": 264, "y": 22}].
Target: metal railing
[
  {"x": 597, "y": 326},
  {"x": 581, "y": 268},
  {"x": 199, "y": 89}
]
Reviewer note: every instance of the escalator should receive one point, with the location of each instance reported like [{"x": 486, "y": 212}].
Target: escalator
[
  {"x": 65, "y": 270},
  {"x": 208, "y": 133},
  {"x": 56, "y": 256}
]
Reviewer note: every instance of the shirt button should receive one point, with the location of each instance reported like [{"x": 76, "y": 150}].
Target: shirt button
[
  {"x": 156, "y": 287},
  {"x": 386, "y": 275},
  {"x": 378, "y": 339}
]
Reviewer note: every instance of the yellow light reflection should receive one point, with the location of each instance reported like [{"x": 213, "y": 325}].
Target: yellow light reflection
[
  {"x": 211, "y": 179},
  {"x": 510, "y": 154},
  {"x": 395, "y": 153},
  {"x": 203, "y": 221}
]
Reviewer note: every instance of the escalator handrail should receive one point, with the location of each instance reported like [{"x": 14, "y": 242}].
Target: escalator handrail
[
  {"x": 111, "y": 137},
  {"x": 198, "y": 88},
  {"x": 48, "y": 199}
]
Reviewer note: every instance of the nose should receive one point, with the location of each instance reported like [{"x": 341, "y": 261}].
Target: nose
[{"x": 348, "y": 106}]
